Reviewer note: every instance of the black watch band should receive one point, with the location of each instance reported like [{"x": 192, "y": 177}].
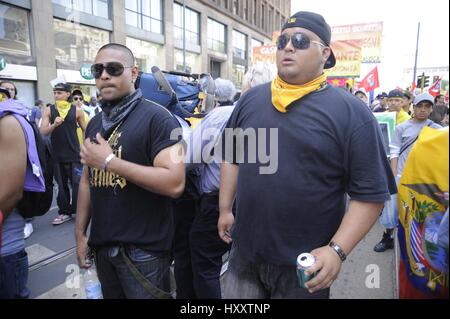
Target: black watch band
[{"x": 338, "y": 250}]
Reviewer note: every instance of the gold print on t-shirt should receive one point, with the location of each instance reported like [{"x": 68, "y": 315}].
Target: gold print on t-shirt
[{"x": 101, "y": 178}]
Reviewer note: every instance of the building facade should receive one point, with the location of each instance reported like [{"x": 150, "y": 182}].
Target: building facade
[{"x": 44, "y": 39}]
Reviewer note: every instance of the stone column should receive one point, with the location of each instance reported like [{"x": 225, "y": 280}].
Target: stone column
[{"x": 44, "y": 38}]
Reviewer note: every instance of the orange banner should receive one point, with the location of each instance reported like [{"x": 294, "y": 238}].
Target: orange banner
[
  {"x": 265, "y": 53},
  {"x": 368, "y": 35},
  {"x": 348, "y": 59}
]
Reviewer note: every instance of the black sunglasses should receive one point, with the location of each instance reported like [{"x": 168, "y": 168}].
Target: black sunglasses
[
  {"x": 112, "y": 68},
  {"x": 299, "y": 41},
  {"x": 77, "y": 98}
]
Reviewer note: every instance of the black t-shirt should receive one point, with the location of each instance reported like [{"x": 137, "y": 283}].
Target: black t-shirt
[
  {"x": 329, "y": 144},
  {"x": 65, "y": 144},
  {"x": 121, "y": 211}
]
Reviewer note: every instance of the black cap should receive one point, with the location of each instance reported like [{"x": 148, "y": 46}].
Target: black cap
[
  {"x": 315, "y": 23},
  {"x": 77, "y": 92},
  {"x": 396, "y": 93},
  {"x": 66, "y": 87},
  {"x": 382, "y": 95}
]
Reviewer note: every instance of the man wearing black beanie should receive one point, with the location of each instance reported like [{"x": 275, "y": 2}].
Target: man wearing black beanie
[{"x": 326, "y": 139}]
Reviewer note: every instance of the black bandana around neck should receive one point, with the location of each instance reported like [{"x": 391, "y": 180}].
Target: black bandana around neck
[{"x": 115, "y": 112}]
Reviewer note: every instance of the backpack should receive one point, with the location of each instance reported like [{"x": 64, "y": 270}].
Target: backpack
[
  {"x": 35, "y": 204},
  {"x": 175, "y": 92}
]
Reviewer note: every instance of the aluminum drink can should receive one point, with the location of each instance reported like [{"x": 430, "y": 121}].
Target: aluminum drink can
[{"x": 304, "y": 261}]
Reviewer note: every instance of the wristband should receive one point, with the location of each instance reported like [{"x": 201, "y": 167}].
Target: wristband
[
  {"x": 338, "y": 250},
  {"x": 107, "y": 161}
]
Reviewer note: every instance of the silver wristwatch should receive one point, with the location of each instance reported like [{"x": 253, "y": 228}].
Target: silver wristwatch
[{"x": 338, "y": 250}]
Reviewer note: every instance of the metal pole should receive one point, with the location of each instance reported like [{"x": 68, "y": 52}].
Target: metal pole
[
  {"x": 184, "y": 36},
  {"x": 417, "y": 53},
  {"x": 423, "y": 83}
]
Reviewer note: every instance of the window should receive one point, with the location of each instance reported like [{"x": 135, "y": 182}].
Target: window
[
  {"x": 99, "y": 8},
  {"x": 239, "y": 45},
  {"x": 14, "y": 31},
  {"x": 192, "y": 25},
  {"x": 144, "y": 14},
  {"x": 246, "y": 10},
  {"x": 216, "y": 36},
  {"x": 76, "y": 44},
  {"x": 271, "y": 16},
  {"x": 238, "y": 75},
  {"x": 263, "y": 16},
  {"x": 193, "y": 64},
  {"x": 147, "y": 54},
  {"x": 257, "y": 43},
  {"x": 278, "y": 22},
  {"x": 235, "y": 7}
]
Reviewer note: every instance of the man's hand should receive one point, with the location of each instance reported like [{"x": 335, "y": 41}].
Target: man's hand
[
  {"x": 329, "y": 264},
  {"x": 58, "y": 121},
  {"x": 94, "y": 154},
  {"x": 82, "y": 251},
  {"x": 226, "y": 221}
]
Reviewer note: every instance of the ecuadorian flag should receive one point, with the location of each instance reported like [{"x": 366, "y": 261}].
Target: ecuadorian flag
[{"x": 423, "y": 202}]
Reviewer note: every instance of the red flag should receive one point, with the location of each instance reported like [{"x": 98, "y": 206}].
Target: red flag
[
  {"x": 435, "y": 89},
  {"x": 413, "y": 87},
  {"x": 370, "y": 82}
]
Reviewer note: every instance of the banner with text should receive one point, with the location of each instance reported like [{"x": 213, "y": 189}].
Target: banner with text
[
  {"x": 266, "y": 53},
  {"x": 368, "y": 35},
  {"x": 348, "y": 58}
]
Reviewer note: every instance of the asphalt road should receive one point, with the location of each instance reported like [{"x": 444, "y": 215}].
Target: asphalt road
[{"x": 365, "y": 274}]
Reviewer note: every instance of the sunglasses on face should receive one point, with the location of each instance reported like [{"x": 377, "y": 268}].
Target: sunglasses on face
[
  {"x": 112, "y": 68},
  {"x": 299, "y": 41},
  {"x": 77, "y": 98}
]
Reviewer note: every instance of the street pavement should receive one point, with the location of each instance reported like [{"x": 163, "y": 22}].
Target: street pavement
[
  {"x": 358, "y": 278},
  {"x": 54, "y": 273}
]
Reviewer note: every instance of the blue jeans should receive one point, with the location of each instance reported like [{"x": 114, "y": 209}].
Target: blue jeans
[
  {"x": 247, "y": 280},
  {"x": 117, "y": 280},
  {"x": 14, "y": 276}
]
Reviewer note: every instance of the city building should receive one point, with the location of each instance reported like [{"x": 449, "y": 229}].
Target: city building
[{"x": 44, "y": 39}]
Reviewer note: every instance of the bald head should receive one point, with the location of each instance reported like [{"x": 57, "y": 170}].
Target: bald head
[{"x": 128, "y": 55}]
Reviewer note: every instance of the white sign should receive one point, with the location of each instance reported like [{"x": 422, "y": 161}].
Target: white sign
[
  {"x": 19, "y": 72},
  {"x": 74, "y": 76}
]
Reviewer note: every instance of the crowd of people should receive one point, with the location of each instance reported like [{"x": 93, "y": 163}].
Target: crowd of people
[{"x": 153, "y": 199}]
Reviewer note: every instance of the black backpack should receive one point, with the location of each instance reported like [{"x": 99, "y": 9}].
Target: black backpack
[{"x": 35, "y": 204}]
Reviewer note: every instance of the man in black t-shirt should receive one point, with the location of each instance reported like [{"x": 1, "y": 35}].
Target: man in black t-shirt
[
  {"x": 133, "y": 166},
  {"x": 60, "y": 121},
  {"x": 323, "y": 143}
]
